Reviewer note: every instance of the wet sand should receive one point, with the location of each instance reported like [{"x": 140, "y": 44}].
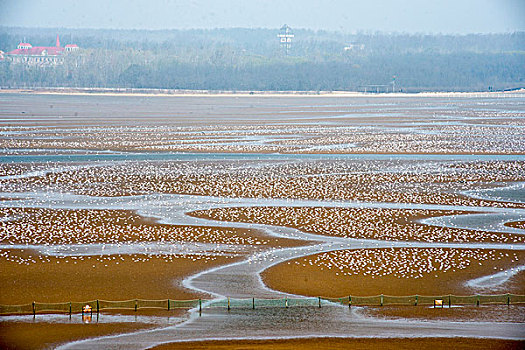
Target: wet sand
[
  {"x": 40, "y": 335},
  {"x": 329, "y": 124},
  {"x": 27, "y": 276},
  {"x": 144, "y": 276},
  {"x": 349, "y": 343},
  {"x": 108, "y": 278},
  {"x": 63, "y": 226},
  {"x": 330, "y": 275},
  {"x": 465, "y": 313},
  {"x": 65, "y": 279},
  {"x": 363, "y": 180},
  {"x": 417, "y": 124},
  {"x": 379, "y": 224},
  {"x": 228, "y": 93},
  {"x": 516, "y": 224}
]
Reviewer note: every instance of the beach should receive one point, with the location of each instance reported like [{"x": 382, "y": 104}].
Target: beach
[{"x": 110, "y": 195}]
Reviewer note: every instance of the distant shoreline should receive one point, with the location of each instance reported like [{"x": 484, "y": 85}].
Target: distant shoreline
[{"x": 230, "y": 93}]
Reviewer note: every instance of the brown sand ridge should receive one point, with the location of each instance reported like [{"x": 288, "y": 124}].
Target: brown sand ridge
[
  {"x": 104, "y": 124},
  {"x": 69, "y": 279},
  {"x": 394, "y": 271},
  {"x": 375, "y": 223},
  {"x": 516, "y": 224},
  {"x": 61, "y": 226},
  {"x": 268, "y": 124},
  {"x": 39, "y": 335},
  {"x": 106, "y": 278},
  {"x": 26, "y": 276},
  {"x": 355, "y": 180},
  {"x": 350, "y": 343},
  {"x": 465, "y": 313}
]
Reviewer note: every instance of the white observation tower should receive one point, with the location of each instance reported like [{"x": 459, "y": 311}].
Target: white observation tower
[{"x": 286, "y": 35}]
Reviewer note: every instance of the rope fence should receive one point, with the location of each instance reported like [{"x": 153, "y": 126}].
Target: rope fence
[{"x": 97, "y": 306}]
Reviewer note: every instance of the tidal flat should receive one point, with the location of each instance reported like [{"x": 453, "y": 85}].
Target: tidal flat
[{"x": 207, "y": 197}]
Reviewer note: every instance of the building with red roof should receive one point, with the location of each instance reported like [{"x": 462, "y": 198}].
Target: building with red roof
[
  {"x": 40, "y": 55},
  {"x": 71, "y": 47}
]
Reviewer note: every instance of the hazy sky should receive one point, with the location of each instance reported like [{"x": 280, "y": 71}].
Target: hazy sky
[{"x": 445, "y": 16}]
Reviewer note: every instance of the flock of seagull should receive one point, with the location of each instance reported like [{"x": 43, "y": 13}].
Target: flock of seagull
[
  {"x": 370, "y": 180},
  {"x": 397, "y": 181},
  {"x": 449, "y": 132},
  {"x": 120, "y": 235},
  {"x": 359, "y": 223},
  {"x": 407, "y": 263}
]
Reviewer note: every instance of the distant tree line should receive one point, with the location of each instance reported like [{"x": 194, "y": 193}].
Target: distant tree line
[{"x": 251, "y": 59}]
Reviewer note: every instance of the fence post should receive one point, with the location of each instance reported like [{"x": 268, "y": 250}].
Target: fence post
[{"x": 319, "y": 300}]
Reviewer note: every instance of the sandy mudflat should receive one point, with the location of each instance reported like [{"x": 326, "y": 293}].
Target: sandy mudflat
[
  {"x": 516, "y": 224},
  {"x": 67, "y": 279},
  {"x": 262, "y": 123},
  {"x": 227, "y": 93},
  {"x": 319, "y": 180},
  {"x": 37, "y": 125},
  {"x": 63, "y": 226},
  {"x": 330, "y": 275},
  {"x": 26, "y": 276},
  {"x": 465, "y": 313},
  {"x": 354, "y": 344},
  {"x": 372, "y": 223},
  {"x": 64, "y": 279},
  {"x": 40, "y": 335}
]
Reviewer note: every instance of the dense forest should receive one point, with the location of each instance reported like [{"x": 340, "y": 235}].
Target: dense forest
[{"x": 252, "y": 59}]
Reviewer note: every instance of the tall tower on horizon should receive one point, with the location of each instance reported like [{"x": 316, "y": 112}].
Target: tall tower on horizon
[
  {"x": 58, "y": 41},
  {"x": 286, "y": 35}
]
